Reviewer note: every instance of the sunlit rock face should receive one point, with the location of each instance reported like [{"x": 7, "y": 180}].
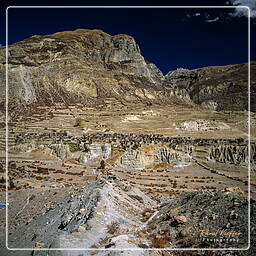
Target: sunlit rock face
[
  {"x": 151, "y": 156},
  {"x": 233, "y": 154},
  {"x": 91, "y": 66},
  {"x": 78, "y": 66},
  {"x": 216, "y": 87},
  {"x": 95, "y": 152}
]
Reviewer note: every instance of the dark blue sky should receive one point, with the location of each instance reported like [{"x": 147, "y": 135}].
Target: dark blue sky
[{"x": 170, "y": 38}]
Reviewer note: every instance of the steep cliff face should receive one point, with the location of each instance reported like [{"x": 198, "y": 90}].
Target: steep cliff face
[
  {"x": 218, "y": 87},
  {"x": 79, "y": 66}
]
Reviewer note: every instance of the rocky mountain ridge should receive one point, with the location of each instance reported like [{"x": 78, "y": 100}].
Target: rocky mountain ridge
[
  {"x": 217, "y": 87},
  {"x": 77, "y": 66},
  {"x": 91, "y": 66}
]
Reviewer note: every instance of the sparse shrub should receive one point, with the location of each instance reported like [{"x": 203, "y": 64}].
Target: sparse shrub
[
  {"x": 32, "y": 197},
  {"x": 189, "y": 241},
  {"x": 147, "y": 211},
  {"x": 240, "y": 140},
  {"x": 142, "y": 246},
  {"x": 73, "y": 147},
  {"x": 161, "y": 242},
  {"x": 11, "y": 184},
  {"x": 113, "y": 227},
  {"x": 37, "y": 233},
  {"x": 78, "y": 122},
  {"x": 135, "y": 146}
]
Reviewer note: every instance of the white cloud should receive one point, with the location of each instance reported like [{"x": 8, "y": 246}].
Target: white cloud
[
  {"x": 240, "y": 12},
  {"x": 192, "y": 15},
  {"x": 206, "y": 15},
  {"x": 213, "y": 20}
]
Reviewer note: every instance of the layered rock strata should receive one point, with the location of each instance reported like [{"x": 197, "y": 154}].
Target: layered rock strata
[
  {"x": 91, "y": 66},
  {"x": 79, "y": 66}
]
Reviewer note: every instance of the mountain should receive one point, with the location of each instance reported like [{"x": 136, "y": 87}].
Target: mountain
[
  {"x": 217, "y": 87},
  {"x": 91, "y": 67},
  {"x": 80, "y": 66}
]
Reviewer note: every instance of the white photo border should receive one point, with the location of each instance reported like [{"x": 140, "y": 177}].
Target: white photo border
[{"x": 132, "y": 249}]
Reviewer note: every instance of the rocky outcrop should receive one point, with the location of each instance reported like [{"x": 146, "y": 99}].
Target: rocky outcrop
[
  {"x": 144, "y": 159},
  {"x": 233, "y": 154},
  {"x": 216, "y": 87},
  {"x": 61, "y": 150},
  {"x": 202, "y": 219},
  {"x": 140, "y": 150},
  {"x": 95, "y": 151},
  {"x": 92, "y": 217}
]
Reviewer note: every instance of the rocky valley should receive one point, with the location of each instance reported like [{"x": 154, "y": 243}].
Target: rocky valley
[{"x": 108, "y": 156}]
